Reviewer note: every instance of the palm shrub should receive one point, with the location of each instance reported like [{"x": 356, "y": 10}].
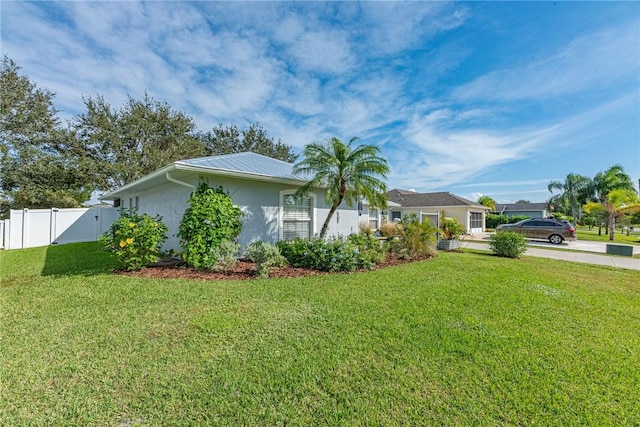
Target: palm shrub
[
  {"x": 210, "y": 219},
  {"x": 415, "y": 239},
  {"x": 508, "y": 244},
  {"x": 135, "y": 239},
  {"x": 450, "y": 228},
  {"x": 265, "y": 256},
  {"x": 389, "y": 229}
]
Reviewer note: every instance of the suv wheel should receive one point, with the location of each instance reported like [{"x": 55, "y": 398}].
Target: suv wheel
[{"x": 556, "y": 239}]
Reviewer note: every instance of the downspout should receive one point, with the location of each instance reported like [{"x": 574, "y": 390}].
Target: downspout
[{"x": 172, "y": 179}]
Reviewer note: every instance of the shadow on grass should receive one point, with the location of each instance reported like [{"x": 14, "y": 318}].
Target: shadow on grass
[{"x": 86, "y": 259}]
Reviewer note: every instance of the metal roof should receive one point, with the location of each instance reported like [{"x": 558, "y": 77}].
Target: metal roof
[{"x": 245, "y": 163}]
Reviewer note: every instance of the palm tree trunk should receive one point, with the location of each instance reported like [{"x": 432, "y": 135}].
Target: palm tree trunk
[
  {"x": 612, "y": 225},
  {"x": 325, "y": 226}
]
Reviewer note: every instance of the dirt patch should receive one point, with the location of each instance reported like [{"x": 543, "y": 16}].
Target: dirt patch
[{"x": 242, "y": 270}]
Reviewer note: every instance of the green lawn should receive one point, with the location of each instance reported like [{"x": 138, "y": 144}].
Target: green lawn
[
  {"x": 463, "y": 339},
  {"x": 585, "y": 234}
]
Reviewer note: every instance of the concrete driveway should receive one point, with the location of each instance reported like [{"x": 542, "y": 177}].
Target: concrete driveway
[{"x": 585, "y": 251}]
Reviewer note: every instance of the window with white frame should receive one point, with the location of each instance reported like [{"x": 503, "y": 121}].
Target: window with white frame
[
  {"x": 296, "y": 216},
  {"x": 476, "y": 220},
  {"x": 373, "y": 219}
]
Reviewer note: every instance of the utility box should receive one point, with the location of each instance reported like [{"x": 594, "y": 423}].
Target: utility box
[{"x": 623, "y": 250}]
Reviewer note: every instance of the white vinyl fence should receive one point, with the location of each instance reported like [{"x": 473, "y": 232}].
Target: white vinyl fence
[{"x": 28, "y": 228}]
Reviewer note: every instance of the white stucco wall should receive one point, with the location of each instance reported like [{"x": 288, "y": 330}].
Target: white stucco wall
[{"x": 259, "y": 201}]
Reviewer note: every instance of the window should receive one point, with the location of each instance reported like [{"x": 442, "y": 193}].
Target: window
[
  {"x": 296, "y": 217},
  {"x": 476, "y": 220},
  {"x": 396, "y": 216},
  {"x": 373, "y": 219}
]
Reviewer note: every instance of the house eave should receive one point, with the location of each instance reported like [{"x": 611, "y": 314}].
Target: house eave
[
  {"x": 236, "y": 174},
  {"x": 115, "y": 194}
]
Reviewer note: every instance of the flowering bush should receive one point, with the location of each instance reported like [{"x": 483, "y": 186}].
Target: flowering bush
[
  {"x": 210, "y": 219},
  {"x": 135, "y": 239}
]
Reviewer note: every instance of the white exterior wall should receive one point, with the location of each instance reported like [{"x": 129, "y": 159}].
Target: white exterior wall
[{"x": 259, "y": 201}]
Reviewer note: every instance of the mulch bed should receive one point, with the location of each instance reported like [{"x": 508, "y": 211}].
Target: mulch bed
[{"x": 242, "y": 270}]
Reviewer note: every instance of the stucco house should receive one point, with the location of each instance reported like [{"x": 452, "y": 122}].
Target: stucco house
[
  {"x": 532, "y": 210},
  {"x": 428, "y": 205},
  {"x": 261, "y": 186}
]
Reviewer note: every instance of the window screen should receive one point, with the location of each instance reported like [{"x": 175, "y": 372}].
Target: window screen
[
  {"x": 476, "y": 220},
  {"x": 296, "y": 217}
]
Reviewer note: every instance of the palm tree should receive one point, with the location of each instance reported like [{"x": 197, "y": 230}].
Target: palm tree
[
  {"x": 613, "y": 178},
  {"x": 575, "y": 189},
  {"x": 607, "y": 182},
  {"x": 618, "y": 202},
  {"x": 348, "y": 173},
  {"x": 488, "y": 202}
]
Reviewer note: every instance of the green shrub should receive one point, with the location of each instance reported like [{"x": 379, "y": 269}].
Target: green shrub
[
  {"x": 334, "y": 254},
  {"x": 210, "y": 219},
  {"x": 508, "y": 244},
  {"x": 225, "y": 255},
  {"x": 135, "y": 239},
  {"x": 266, "y": 257},
  {"x": 494, "y": 220},
  {"x": 369, "y": 249}
]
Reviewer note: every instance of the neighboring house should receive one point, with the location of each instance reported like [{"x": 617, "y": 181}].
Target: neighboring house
[
  {"x": 428, "y": 205},
  {"x": 261, "y": 186},
  {"x": 532, "y": 210},
  {"x": 374, "y": 217}
]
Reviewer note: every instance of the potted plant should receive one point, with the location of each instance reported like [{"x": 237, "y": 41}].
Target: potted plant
[{"x": 449, "y": 231}]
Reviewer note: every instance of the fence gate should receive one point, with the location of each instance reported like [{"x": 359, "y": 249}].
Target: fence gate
[{"x": 29, "y": 228}]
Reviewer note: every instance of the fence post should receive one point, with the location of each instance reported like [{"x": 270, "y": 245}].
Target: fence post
[{"x": 25, "y": 227}]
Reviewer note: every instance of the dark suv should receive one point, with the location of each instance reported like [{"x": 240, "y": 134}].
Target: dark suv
[{"x": 552, "y": 230}]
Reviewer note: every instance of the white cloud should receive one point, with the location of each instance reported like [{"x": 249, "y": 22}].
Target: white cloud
[
  {"x": 309, "y": 71},
  {"x": 590, "y": 62}
]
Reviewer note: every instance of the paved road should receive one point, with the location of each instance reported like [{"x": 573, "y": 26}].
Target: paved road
[{"x": 589, "y": 252}]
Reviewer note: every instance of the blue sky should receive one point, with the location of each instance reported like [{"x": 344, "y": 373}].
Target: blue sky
[{"x": 494, "y": 98}]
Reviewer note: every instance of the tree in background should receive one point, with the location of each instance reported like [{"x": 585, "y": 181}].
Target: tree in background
[
  {"x": 348, "y": 173},
  {"x": 575, "y": 190},
  {"x": 122, "y": 145},
  {"x": 488, "y": 202},
  {"x": 605, "y": 183},
  {"x": 594, "y": 214},
  {"x": 619, "y": 202},
  {"x": 34, "y": 172},
  {"x": 522, "y": 201},
  {"x": 44, "y": 164},
  {"x": 228, "y": 140}
]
